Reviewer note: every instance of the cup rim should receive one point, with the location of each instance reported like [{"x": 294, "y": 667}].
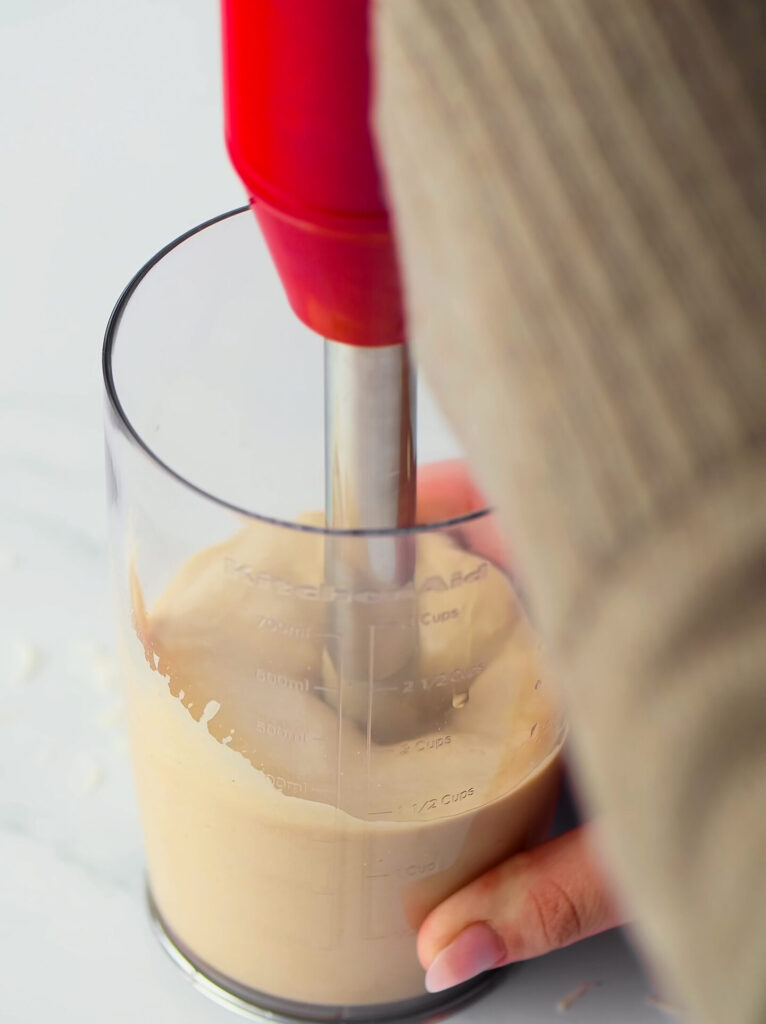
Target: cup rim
[{"x": 110, "y": 336}]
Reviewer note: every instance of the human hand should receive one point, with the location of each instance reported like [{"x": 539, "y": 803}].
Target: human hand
[{"x": 535, "y": 901}]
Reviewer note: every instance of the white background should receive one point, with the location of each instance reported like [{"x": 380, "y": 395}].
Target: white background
[{"x": 110, "y": 146}]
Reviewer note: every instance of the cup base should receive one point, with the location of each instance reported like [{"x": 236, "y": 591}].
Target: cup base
[{"x": 268, "y": 1009}]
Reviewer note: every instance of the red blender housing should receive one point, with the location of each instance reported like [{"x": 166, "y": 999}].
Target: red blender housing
[{"x": 297, "y": 94}]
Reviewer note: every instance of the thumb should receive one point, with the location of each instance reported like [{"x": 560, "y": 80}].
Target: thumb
[{"x": 531, "y": 904}]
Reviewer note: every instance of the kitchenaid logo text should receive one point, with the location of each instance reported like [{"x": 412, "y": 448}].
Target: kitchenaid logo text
[{"x": 328, "y": 593}]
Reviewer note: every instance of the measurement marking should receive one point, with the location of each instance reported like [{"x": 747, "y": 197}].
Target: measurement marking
[
  {"x": 385, "y": 874},
  {"x": 373, "y": 814},
  {"x": 370, "y": 669},
  {"x": 339, "y": 762},
  {"x": 387, "y": 689}
]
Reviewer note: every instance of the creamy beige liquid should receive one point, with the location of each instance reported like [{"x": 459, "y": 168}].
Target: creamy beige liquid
[{"x": 288, "y": 849}]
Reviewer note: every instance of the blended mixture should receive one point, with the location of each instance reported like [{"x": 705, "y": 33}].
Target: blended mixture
[{"x": 289, "y": 847}]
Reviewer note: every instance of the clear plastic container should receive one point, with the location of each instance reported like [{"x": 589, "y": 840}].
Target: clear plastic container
[{"x": 303, "y": 809}]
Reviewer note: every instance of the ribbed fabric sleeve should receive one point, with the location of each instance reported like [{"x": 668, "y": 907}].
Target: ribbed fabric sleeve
[{"x": 580, "y": 197}]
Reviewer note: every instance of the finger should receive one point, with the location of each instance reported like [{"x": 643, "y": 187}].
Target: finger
[
  {"x": 531, "y": 904},
  {"x": 446, "y": 491}
]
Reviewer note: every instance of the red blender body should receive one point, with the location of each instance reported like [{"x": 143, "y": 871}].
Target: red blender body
[{"x": 297, "y": 99}]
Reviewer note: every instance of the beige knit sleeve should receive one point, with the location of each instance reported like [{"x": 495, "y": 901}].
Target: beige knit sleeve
[{"x": 580, "y": 195}]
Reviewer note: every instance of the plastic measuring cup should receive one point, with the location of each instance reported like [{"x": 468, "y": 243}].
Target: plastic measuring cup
[{"x": 301, "y": 815}]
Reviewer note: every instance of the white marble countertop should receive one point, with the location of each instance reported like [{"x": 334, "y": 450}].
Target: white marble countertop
[{"x": 111, "y": 146}]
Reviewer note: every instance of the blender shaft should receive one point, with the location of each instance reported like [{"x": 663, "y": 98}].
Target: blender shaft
[
  {"x": 369, "y": 437},
  {"x": 370, "y": 485}
]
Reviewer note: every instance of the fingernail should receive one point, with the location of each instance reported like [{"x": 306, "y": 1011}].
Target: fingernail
[{"x": 477, "y": 948}]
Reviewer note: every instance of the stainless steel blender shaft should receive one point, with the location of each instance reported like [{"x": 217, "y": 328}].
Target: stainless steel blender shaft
[
  {"x": 370, "y": 485},
  {"x": 369, "y": 437}
]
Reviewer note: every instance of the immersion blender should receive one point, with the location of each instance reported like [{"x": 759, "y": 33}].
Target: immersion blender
[{"x": 297, "y": 112}]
